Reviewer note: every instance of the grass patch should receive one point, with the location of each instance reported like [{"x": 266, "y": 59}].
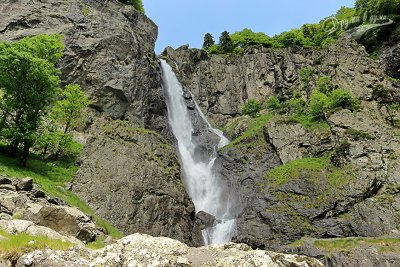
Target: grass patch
[
  {"x": 52, "y": 177},
  {"x": 12, "y": 246},
  {"x": 310, "y": 122},
  {"x": 345, "y": 244},
  {"x": 292, "y": 170},
  {"x": 255, "y": 127},
  {"x": 98, "y": 244}
]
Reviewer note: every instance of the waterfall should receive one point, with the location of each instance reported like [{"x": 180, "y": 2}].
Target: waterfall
[{"x": 207, "y": 191}]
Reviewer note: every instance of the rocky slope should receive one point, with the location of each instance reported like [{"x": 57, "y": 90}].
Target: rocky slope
[
  {"x": 337, "y": 178},
  {"x": 129, "y": 175},
  {"x": 143, "y": 250}
]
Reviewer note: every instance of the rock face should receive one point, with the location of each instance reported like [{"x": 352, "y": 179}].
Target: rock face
[
  {"x": 143, "y": 250},
  {"x": 222, "y": 85},
  {"x": 130, "y": 177},
  {"x": 338, "y": 178},
  {"x": 25, "y": 201}
]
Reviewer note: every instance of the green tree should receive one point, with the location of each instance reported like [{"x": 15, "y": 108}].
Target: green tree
[
  {"x": 319, "y": 103},
  {"x": 29, "y": 81},
  {"x": 247, "y": 37},
  {"x": 225, "y": 42},
  {"x": 252, "y": 107},
  {"x": 66, "y": 114},
  {"x": 208, "y": 41}
]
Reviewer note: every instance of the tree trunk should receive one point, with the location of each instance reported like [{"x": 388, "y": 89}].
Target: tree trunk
[{"x": 25, "y": 154}]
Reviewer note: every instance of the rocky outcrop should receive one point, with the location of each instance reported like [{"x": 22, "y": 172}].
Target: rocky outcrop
[
  {"x": 30, "y": 228},
  {"x": 143, "y": 250},
  {"x": 130, "y": 176},
  {"x": 21, "y": 199}
]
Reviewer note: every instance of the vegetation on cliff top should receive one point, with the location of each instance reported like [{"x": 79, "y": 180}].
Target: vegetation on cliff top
[
  {"x": 137, "y": 4},
  {"x": 309, "y": 35}
]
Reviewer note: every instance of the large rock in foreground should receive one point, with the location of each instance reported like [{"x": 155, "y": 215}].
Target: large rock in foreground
[{"x": 143, "y": 250}]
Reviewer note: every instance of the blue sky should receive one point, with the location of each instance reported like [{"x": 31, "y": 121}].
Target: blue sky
[{"x": 186, "y": 21}]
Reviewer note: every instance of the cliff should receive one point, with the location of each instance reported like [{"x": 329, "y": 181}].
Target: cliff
[{"x": 296, "y": 177}]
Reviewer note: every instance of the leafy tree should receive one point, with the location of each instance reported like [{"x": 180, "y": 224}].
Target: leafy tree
[
  {"x": 214, "y": 49},
  {"x": 225, "y": 42},
  {"x": 208, "y": 41},
  {"x": 66, "y": 114},
  {"x": 319, "y": 103},
  {"x": 29, "y": 81},
  {"x": 247, "y": 37},
  {"x": 252, "y": 107}
]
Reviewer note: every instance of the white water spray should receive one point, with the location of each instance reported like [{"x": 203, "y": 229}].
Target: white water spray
[{"x": 206, "y": 190}]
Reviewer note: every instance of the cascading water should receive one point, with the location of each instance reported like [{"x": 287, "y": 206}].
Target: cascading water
[{"x": 207, "y": 191}]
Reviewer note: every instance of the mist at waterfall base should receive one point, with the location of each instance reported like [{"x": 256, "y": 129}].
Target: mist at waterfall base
[{"x": 202, "y": 182}]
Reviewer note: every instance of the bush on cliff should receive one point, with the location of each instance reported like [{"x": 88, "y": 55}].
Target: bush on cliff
[
  {"x": 137, "y": 4},
  {"x": 252, "y": 107}
]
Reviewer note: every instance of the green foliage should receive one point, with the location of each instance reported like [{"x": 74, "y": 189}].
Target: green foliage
[
  {"x": 13, "y": 246},
  {"x": 29, "y": 81},
  {"x": 225, "y": 43},
  {"x": 273, "y": 102},
  {"x": 255, "y": 127},
  {"x": 384, "y": 244},
  {"x": 305, "y": 76},
  {"x": 208, "y": 41},
  {"x": 319, "y": 103},
  {"x": 214, "y": 49},
  {"x": 247, "y": 37},
  {"x": 324, "y": 84},
  {"x": 378, "y": 7},
  {"x": 293, "y": 169},
  {"x": 137, "y": 4},
  {"x": 312, "y": 123},
  {"x": 252, "y": 107},
  {"x": 343, "y": 99},
  {"x": 297, "y": 104}
]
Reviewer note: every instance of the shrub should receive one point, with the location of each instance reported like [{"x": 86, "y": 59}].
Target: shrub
[
  {"x": 252, "y": 107},
  {"x": 319, "y": 103},
  {"x": 273, "y": 102},
  {"x": 343, "y": 99},
  {"x": 297, "y": 105},
  {"x": 324, "y": 84}
]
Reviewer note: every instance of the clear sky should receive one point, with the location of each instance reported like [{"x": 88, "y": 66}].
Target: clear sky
[{"x": 186, "y": 21}]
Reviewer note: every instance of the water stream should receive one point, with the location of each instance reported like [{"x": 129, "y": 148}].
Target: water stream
[{"x": 203, "y": 184}]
